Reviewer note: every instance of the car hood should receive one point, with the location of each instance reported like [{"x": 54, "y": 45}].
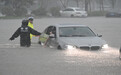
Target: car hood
[{"x": 82, "y": 41}]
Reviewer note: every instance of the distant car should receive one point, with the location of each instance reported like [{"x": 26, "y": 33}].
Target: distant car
[
  {"x": 113, "y": 14},
  {"x": 67, "y": 36},
  {"x": 73, "y": 12}
]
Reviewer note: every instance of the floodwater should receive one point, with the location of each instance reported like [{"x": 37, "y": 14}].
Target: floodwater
[{"x": 39, "y": 60}]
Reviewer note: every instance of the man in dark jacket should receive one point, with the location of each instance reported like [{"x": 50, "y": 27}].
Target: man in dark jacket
[{"x": 24, "y": 32}]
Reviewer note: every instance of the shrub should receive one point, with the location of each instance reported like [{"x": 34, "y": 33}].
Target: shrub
[
  {"x": 55, "y": 11},
  {"x": 39, "y": 12},
  {"x": 8, "y": 11},
  {"x": 97, "y": 13},
  {"x": 20, "y": 12}
]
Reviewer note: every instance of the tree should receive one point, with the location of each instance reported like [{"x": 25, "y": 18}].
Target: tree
[
  {"x": 64, "y": 3},
  {"x": 86, "y": 5},
  {"x": 101, "y": 5},
  {"x": 18, "y": 6},
  {"x": 43, "y": 3},
  {"x": 17, "y": 3},
  {"x": 8, "y": 11},
  {"x": 112, "y": 2},
  {"x": 77, "y": 2}
]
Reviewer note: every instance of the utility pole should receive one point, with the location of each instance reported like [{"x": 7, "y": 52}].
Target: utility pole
[{"x": 86, "y": 5}]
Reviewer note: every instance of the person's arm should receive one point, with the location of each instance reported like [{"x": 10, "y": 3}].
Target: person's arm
[
  {"x": 16, "y": 34},
  {"x": 34, "y": 32}
]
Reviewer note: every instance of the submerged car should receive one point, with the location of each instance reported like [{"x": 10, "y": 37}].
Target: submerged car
[
  {"x": 113, "y": 14},
  {"x": 68, "y": 36},
  {"x": 73, "y": 12}
]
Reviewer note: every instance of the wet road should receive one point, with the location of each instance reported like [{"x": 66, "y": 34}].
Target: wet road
[{"x": 38, "y": 60}]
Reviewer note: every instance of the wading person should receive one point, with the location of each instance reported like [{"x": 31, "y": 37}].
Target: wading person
[
  {"x": 24, "y": 32},
  {"x": 30, "y": 24}
]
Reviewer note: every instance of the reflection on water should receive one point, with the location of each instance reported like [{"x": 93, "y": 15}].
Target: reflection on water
[
  {"x": 8, "y": 45},
  {"x": 107, "y": 57},
  {"x": 101, "y": 57},
  {"x": 79, "y": 53}
]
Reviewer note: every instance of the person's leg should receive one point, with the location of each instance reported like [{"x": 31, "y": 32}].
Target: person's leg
[
  {"x": 22, "y": 44},
  {"x": 28, "y": 43}
]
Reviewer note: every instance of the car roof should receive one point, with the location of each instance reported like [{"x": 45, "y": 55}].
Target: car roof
[
  {"x": 74, "y": 7},
  {"x": 69, "y": 25}
]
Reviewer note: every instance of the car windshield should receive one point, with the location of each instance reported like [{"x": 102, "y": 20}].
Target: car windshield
[
  {"x": 76, "y": 32},
  {"x": 78, "y": 9}
]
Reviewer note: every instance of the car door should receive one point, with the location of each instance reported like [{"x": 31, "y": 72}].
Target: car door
[
  {"x": 54, "y": 39},
  {"x": 70, "y": 12},
  {"x": 67, "y": 12},
  {"x": 44, "y": 38}
]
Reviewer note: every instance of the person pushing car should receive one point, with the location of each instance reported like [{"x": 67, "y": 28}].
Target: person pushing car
[{"x": 24, "y": 31}]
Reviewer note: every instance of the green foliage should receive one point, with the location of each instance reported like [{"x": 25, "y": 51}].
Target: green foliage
[
  {"x": 20, "y": 12},
  {"x": 55, "y": 11},
  {"x": 8, "y": 11},
  {"x": 97, "y": 13},
  {"x": 39, "y": 12},
  {"x": 16, "y": 7}
]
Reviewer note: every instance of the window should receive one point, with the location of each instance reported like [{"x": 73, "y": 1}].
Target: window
[
  {"x": 75, "y": 32},
  {"x": 51, "y": 29},
  {"x": 68, "y": 10}
]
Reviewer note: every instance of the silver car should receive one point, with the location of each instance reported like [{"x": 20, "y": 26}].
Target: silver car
[
  {"x": 73, "y": 12},
  {"x": 69, "y": 36}
]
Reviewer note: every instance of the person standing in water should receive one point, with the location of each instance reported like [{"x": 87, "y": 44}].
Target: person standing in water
[
  {"x": 24, "y": 33},
  {"x": 30, "y": 24}
]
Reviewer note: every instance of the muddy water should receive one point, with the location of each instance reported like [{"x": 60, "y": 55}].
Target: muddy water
[{"x": 39, "y": 60}]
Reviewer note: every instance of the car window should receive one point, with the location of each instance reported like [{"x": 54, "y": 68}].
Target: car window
[
  {"x": 75, "y": 32},
  {"x": 54, "y": 30},
  {"x": 68, "y": 10},
  {"x": 47, "y": 30},
  {"x": 78, "y": 9},
  {"x": 50, "y": 29}
]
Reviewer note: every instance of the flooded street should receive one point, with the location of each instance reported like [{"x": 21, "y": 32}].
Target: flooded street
[{"x": 39, "y": 60}]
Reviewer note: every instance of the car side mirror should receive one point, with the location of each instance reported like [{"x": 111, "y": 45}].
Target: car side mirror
[{"x": 99, "y": 35}]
